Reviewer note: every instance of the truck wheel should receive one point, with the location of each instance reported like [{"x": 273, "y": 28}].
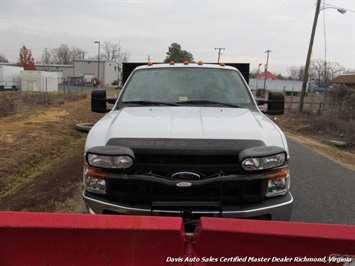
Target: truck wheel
[{"x": 14, "y": 88}]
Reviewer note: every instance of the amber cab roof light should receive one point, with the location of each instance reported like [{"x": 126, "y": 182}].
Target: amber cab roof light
[{"x": 172, "y": 63}]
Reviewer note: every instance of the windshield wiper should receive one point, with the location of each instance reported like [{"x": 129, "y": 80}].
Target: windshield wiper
[
  {"x": 149, "y": 103},
  {"x": 209, "y": 102}
]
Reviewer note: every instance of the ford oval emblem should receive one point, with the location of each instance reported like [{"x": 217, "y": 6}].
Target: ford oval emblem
[
  {"x": 184, "y": 184},
  {"x": 186, "y": 176}
]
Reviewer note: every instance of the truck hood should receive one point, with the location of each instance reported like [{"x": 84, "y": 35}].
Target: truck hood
[{"x": 186, "y": 123}]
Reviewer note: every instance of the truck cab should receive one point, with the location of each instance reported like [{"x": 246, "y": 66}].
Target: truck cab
[{"x": 187, "y": 140}]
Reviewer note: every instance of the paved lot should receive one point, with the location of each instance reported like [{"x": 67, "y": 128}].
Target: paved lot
[{"x": 324, "y": 191}]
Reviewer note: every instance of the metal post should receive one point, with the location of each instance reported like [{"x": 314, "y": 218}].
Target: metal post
[
  {"x": 98, "y": 61},
  {"x": 46, "y": 79}
]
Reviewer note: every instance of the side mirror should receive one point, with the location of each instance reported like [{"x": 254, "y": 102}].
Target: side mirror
[
  {"x": 275, "y": 103},
  {"x": 98, "y": 101}
]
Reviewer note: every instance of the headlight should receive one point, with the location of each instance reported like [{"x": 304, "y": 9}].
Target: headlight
[
  {"x": 115, "y": 162},
  {"x": 110, "y": 157},
  {"x": 263, "y": 163},
  {"x": 278, "y": 182},
  {"x": 94, "y": 180},
  {"x": 262, "y": 158}
]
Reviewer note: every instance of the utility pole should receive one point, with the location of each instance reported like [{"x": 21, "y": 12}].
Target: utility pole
[
  {"x": 266, "y": 67},
  {"x": 219, "y": 52},
  {"x": 308, "y": 60}
]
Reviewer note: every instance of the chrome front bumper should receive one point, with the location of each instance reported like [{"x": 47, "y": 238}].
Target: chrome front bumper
[{"x": 278, "y": 208}]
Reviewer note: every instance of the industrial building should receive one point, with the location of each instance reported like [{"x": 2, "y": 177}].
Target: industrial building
[{"x": 109, "y": 71}]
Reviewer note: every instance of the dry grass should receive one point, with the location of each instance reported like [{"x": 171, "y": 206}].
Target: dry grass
[
  {"x": 336, "y": 123},
  {"x": 7, "y": 104},
  {"x": 21, "y": 102},
  {"x": 31, "y": 140}
]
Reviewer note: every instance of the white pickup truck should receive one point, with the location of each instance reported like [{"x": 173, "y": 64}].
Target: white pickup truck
[{"x": 187, "y": 140}]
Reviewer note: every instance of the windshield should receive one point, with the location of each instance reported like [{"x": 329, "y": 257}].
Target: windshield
[{"x": 179, "y": 85}]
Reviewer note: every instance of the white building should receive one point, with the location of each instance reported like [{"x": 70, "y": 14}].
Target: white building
[
  {"x": 109, "y": 70},
  {"x": 287, "y": 86},
  {"x": 42, "y": 81},
  {"x": 63, "y": 71}
]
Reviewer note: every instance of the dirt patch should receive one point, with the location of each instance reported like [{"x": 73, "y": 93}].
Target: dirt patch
[
  {"x": 57, "y": 189},
  {"x": 42, "y": 155}
]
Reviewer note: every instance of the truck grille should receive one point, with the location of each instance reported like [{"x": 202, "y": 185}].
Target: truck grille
[
  {"x": 203, "y": 164},
  {"x": 146, "y": 192},
  {"x": 162, "y": 158}
]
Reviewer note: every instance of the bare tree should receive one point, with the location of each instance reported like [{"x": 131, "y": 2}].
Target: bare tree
[
  {"x": 65, "y": 56},
  {"x": 324, "y": 71},
  {"x": 293, "y": 72},
  {"x": 61, "y": 55},
  {"x": 113, "y": 52},
  {"x": 45, "y": 58},
  {"x": 125, "y": 56},
  {"x": 333, "y": 69},
  {"x": 317, "y": 70},
  {"x": 76, "y": 53}
]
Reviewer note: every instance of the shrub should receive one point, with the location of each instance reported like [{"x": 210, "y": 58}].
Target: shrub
[{"x": 340, "y": 120}]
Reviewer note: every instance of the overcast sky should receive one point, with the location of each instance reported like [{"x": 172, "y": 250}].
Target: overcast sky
[{"x": 246, "y": 29}]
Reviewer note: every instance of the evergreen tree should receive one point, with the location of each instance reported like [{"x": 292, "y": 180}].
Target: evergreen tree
[{"x": 177, "y": 55}]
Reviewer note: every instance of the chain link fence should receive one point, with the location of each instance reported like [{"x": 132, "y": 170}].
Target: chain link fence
[{"x": 19, "y": 102}]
